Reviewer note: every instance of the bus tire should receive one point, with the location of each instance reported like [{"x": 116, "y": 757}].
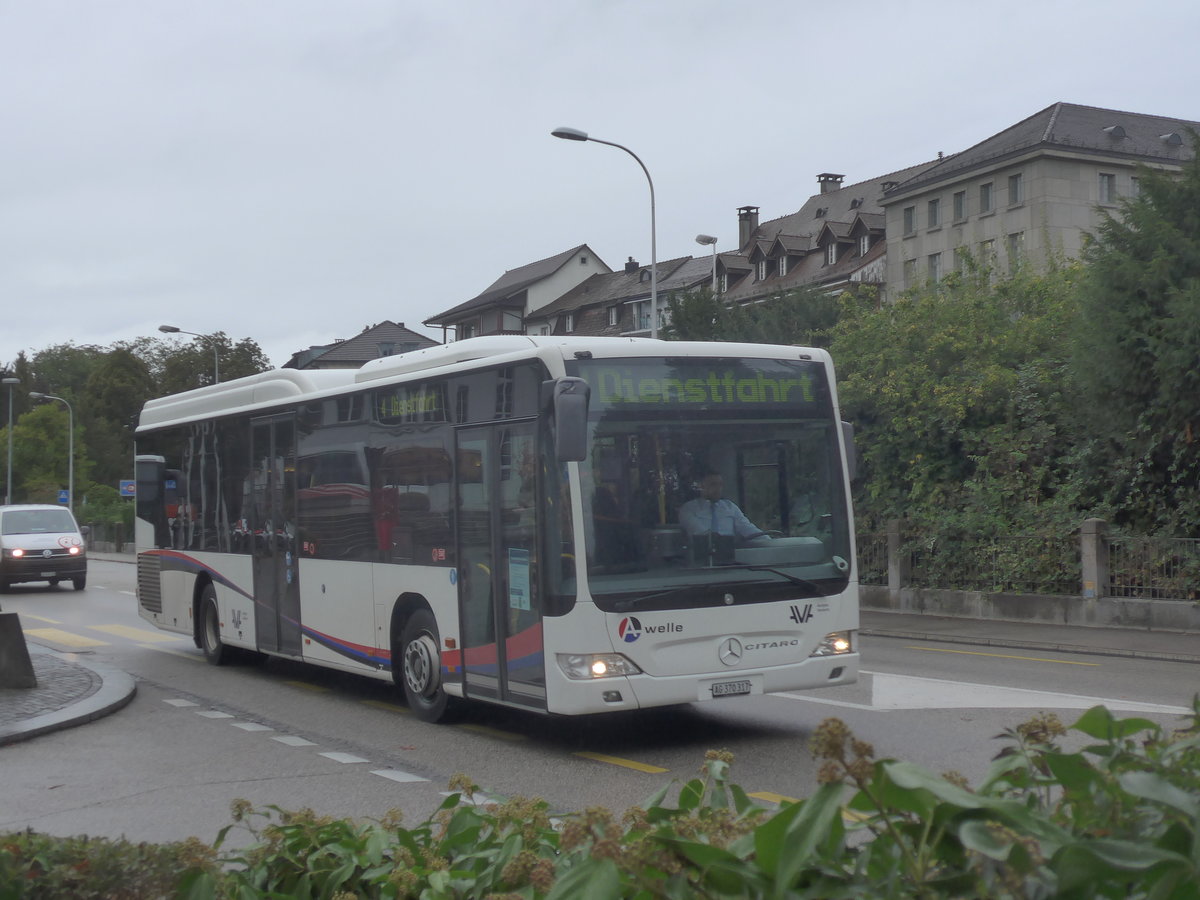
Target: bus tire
[
  {"x": 215, "y": 651},
  {"x": 421, "y": 668}
]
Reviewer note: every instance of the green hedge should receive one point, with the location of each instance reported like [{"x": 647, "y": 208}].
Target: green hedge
[{"x": 1118, "y": 818}]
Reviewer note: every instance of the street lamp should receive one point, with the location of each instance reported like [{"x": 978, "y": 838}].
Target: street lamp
[
  {"x": 38, "y": 395},
  {"x": 574, "y": 134},
  {"x": 707, "y": 239},
  {"x": 10, "y": 382},
  {"x": 171, "y": 329}
]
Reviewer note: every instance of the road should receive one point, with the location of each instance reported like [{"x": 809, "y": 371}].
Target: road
[{"x": 197, "y": 737}]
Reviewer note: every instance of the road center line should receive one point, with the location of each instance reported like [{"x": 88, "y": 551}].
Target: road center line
[
  {"x": 1064, "y": 662},
  {"x": 618, "y": 761}
]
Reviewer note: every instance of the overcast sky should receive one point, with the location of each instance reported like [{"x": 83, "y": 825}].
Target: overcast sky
[{"x": 293, "y": 171}]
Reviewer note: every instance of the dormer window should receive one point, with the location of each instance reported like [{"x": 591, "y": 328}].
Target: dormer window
[
  {"x": 723, "y": 282},
  {"x": 782, "y": 266},
  {"x": 387, "y": 348},
  {"x": 761, "y": 273},
  {"x": 831, "y": 254},
  {"x": 864, "y": 244}
]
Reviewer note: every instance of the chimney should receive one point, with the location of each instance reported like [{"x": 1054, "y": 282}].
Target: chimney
[
  {"x": 631, "y": 266},
  {"x": 829, "y": 182},
  {"x": 747, "y": 224}
]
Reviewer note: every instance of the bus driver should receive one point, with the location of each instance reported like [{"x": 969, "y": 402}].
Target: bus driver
[{"x": 711, "y": 513}]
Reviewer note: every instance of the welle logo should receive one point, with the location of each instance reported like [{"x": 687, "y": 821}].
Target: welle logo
[{"x": 630, "y": 629}]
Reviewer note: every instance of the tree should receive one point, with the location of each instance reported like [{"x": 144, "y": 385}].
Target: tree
[
  {"x": 115, "y": 391},
  {"x": 958, "y": 393},
  {"x": 803, "y": 317},
  {"x": 1137, "y": 352},
  {"x": 41, "y": 454}
]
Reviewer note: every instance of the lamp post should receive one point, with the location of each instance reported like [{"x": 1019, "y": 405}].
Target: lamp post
[
  {"x": 574, "y": 134},
  {"x": 38, "y": 395},
  {"x": 171, "y": 329},
  {"x": 706, "y": 240},
  {"x": 10, "y": 382}
]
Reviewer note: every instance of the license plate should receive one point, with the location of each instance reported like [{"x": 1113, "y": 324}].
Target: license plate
[
  {"x": 730, "y": 688},
  {"x": 47, "y": 574}
]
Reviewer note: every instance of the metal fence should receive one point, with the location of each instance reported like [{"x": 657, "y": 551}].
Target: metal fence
[
  {"x": 108, "y": 537},
  {"x": 1154, "y": 568}
]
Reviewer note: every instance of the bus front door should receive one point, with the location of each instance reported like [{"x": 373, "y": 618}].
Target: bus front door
[
  {"x": 273, "y": 492},
  {"x": 499, "y": 599}
]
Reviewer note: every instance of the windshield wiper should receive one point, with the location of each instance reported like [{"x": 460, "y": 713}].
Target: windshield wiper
[
  {"x": 794, "y": 579},
  {"x": 634, "y": 602}
]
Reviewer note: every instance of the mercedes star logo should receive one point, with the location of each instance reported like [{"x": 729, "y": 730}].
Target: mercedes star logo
[{"x": 730, "y": 651}]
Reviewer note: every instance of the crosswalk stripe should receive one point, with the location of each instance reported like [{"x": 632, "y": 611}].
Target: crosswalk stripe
[
  {"x": 137, "y": 634},
  {"x": 58, "y": 636}
]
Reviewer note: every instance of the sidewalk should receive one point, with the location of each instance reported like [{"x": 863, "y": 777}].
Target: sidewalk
[{"x": 71, "y": 691}]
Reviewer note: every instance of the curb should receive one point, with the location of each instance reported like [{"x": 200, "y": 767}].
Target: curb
[
  {"x": 116, "y": 690},
  {"x": 1023, "y": 644}
]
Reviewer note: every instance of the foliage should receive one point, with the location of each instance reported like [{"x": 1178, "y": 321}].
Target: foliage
[
  {"x": 1118, "y": 818},
  {"x": 37, "y": 866},
  {"x": 41, "y": 454},
  {"x": 963, "y": 410},
  {"x": 804, "y": 317},
  {"x": 1137, "y": 352}
]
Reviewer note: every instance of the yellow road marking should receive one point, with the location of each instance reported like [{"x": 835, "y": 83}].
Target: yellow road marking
[
  {"x": 772, "y": 797},
  {"x": 137, "y": 634},
  {"x": 26, "y": 615},
  {"x": 618, "y": 761},
  {"x": 390, "y": 707},
  {"x": 1065, "y": 662},
  {"x": 305, "y": 686},
  {"x": 58, "y": 636},
  {"x": 494, "y": 732}
]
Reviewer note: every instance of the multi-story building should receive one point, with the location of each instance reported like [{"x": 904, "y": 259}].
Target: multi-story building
[
  {"x": 834, "y": 240},
  {"x": 518, "y": 294},
  {"x": 1025, "y": 195},
  {"x": 385, "y": 339}
]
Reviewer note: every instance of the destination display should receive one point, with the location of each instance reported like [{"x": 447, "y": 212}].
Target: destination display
[
  {"x": 705, "y": 383},
  {"x": 414, "y": 403}
]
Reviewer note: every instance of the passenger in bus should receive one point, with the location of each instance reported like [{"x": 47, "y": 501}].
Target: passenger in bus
[{"x": 712, "y": 514}]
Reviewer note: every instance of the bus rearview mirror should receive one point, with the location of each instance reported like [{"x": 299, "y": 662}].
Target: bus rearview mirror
[{"x": 571, "y": 397}]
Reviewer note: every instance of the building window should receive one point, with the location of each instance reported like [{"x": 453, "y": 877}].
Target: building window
[
  {"x": 910, "y": 272},
  {"x": 985, "y": 198},
  {"x": 1016, "y": 250},
  {"x": 910, "y": 219},
  {"x": 569, "y": 322},
  {"x": 762, "y": 270},
  {"x": 1108, "y": 188},
  {"x": 935, "y": 266},
  {"x": 614, "y": 315},
  {"x": 543, "y": 329},
  {"x": 782, "y": 266},
  {"x": 1135, "y": 187},
  {"x": 864, "y": 244},
  {"x": 934, "y": 213},
  {"x": 466, "y": 330},
  {"x": 960, "y": 206},
  {"x": 987, "y": 253},
  {"x": 641, "y": 315},
  {"x": 723, "y": 282},
  {"x": 962, "y": 260},
  {"x": 831, "y": 254},
  {"x": 511, "y": 321},
  {"x": 1016, "y": 189}
]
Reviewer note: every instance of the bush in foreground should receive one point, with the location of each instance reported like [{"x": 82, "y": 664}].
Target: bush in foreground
[{"x": 1118, "y": 818}]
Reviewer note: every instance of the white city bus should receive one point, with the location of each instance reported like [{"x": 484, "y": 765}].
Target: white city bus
[{"x": 497, "y": 519}]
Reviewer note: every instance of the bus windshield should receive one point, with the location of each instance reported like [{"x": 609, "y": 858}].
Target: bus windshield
[{"x": 711, "y": 482}]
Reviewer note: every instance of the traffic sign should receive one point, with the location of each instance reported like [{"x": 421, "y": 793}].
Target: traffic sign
[
  {"x": 128, "y": 487},
  {"x": 64, "y": 497}
]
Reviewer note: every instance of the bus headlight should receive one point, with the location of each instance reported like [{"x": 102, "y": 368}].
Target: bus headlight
[
  {"x": 589, "y": 666},
  {"x": 835, "y": 643}
]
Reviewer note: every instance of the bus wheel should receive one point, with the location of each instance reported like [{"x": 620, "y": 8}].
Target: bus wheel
[
  {"x": 215, "y": 651},
  {"x": 422, "y": 675}
]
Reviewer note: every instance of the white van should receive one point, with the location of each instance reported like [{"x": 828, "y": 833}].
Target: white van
[{"x": 41, "y": 543}]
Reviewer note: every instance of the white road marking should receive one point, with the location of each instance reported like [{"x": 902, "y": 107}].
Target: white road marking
[
  {"x": 180, "y": 702},
  {"x": 214, "y": 714},
  {"x": 252, "y": 726},
  {"x": 343, "y": 757},
  {"x": 292, "y": 741},
  {"x": 916, "y": 692},
  {"x": 397, "y": 775}
]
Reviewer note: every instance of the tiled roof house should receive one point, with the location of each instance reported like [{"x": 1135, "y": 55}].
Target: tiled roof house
[
  {"x": 518, "y": 294},
  {"x": 385, "y": 339}
]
